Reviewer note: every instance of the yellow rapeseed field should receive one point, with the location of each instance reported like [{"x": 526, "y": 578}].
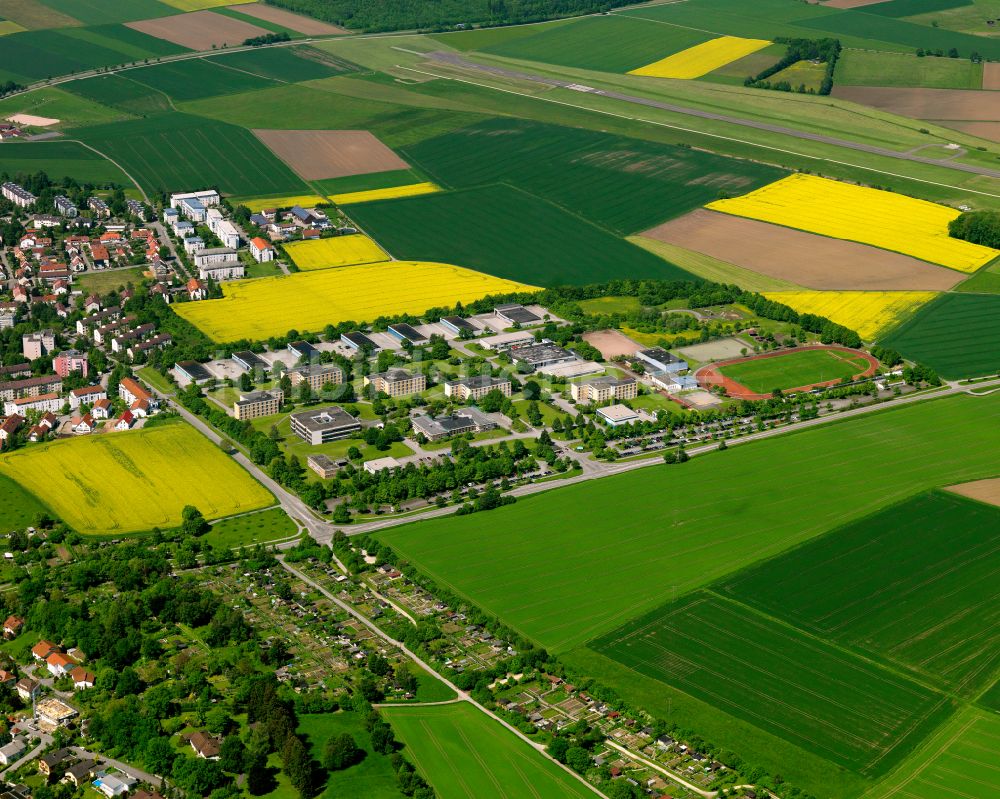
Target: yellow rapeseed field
[
  {"x": 856, "y": 213},
  {"x": 271, "y": 306},
  {"x": 199, "y": 5},
  {"x": 134, "y": 481},
  {"x": 256, "y": 204},
  {"x": 336, "y": 251},
  {"x": 410, "y": 190},
  {"x": 702, "y": 58},
  {"x": 870, "y": 313},
  {"x": 6, "y": 27}
]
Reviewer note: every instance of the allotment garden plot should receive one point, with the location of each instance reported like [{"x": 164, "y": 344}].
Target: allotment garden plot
[
  {"x": 807, "y": 259},
  {"x": 817, "y": 696},
  {"x": 856, "y": 213},
  {"x": 439, "y": 740},
  {"x": 134, "y": 481},
  {"x": 271, "y": 306}
]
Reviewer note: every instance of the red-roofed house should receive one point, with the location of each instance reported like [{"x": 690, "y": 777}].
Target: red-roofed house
[
  {"x": 43, "y": 649},
  {"x": 59, "y": 664},
  {"x": 101, "y": 409},
  {"x": 82, "y": 425},
  {"x": 261, "y": 249},
  {"x": 82, "y": 678},
  {"x": 9, "y": 426},
  {"x": 12, "y": 627},
  {"x": 87, "y": 395},
  {"x": 125, "y": 421},
  {"x": 196, "y": 289}
]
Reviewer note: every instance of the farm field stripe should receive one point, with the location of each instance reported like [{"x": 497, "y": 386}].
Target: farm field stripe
[
  {"x": 393, "y": 193},
  {"x": 870, "y": 313},
  {"x": 702, "y": 58}
]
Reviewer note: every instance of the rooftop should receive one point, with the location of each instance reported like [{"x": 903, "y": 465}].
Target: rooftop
[{"x": 324, "y": 418}]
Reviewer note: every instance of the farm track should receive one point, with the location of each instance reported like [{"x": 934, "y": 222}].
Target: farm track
[{"x": 459, "y": 62}]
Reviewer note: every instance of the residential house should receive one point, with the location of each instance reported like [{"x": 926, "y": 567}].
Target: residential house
[
  {"x": 69, "y": 361},
  {"x": 477, "y": 387},
  {"x": 261, "y": 249},
  {"x": 35, "y": 345},
  {"x": 125, "y": 421},
  {"x": 80, "y": 773},
  {"x": 9, "y": 426},
  {"x": 42, "y": 402},
  {"x": 117, "y": 784},
  {"x": 87, "y": 395},
  {"x": 205, "y": 746},
  {"x": 397, "y": 382},
  {"x": 316, "y": 375},
  {"x": 28, "y": 689},
  {"x": 12, "y": 751},
  {"x": 140, "y": 401},
  {"x": 12, "y": 627},
  {"x": 101, "y": 409},
  {"x": 83, "y": 425},
  {"x": 82, "y": 679},
  {"x": 55, "y": 762},
  {"x": 58, "y": 664},
  {"x": 196, "y": 289}
]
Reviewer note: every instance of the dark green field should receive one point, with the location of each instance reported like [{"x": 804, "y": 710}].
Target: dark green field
[
  {"x": 19, "y": 509},
  {"x": 609, "y": 44},
  {"x": 625, "y": 184},
  {"x": 373, "y": 180},
  {"x": 507, "y": 233},
  {"x": 372, "y": 778},
  {"x": 955, "y": 334},
  {"x": 175, "y": 150},
  {"x": 824, "y": 699},
  {"x": 195, "y": 78},
  {"x": 916, "y": 584},
  {"x": 34, "y": 55},
  {"x": 286, "y": 63},
  {"x": 98, "y": 12},
  {"x": 907, "y": 8},
  {"x": 60, "y": 159},
  {"x": 119, "y": 91}
]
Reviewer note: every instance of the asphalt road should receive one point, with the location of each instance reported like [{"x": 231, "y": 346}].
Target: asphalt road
[{"x": 456, "y": 60}]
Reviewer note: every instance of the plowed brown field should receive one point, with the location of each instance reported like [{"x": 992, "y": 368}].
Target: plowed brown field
[
  {"x": 320, "y": 154},
  {"x": 199, "y": 30}
]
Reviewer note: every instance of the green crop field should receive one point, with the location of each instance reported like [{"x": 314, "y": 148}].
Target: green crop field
[
  {"x": 373, "y": 180},
  {"x": 958, "y": 762},
  {"x": 611, "y": 43},
  {"x": 57, "y": 103},
  {"x": 135, "y": 480},
  {"x": 507, "y": 233},
  {"x": 286, "y": 63},
  {"x": 955, "y": 334},
  {"x": 826, "y": 700},
  {"x": 867, "y": 68},
  {"x": 914, "y": 583},
  {"x": 98, "y": 12},
  {"x": 372, "y": 778},
  {"x": 439, "y": 741},
  {"x": 985, "y": 281},
  {"x": 196, "y": 78},
  {"x": 19, "y": 508},
  {"x": 35, "y": 55},
  {"x": 170, "y": 150},
  {"x": 723, "y": 523},
  {"x": 119, "y": 91},
  {"x": 61, "y": 159},
  {"x": 794, "y": 370},
  {"x": 907, "y": 8},
  {"x": 623, "y": 183}
]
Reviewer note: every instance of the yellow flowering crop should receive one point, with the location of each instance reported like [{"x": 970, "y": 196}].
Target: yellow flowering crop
[
  {"x": 257, "y": 204},
  {"x": 197, "y": 5},
  {"x": 6, "y": 26},
  {"x": 856, "y": 213},
  {"x": 132, "y": 481},
  {"x": 271, "y": 306},
  {"x": 870, "y": 313},
  {"x": 336, "y": 251},
  {"x": 702, "y": 58},
  {"x": 410, "y": 190}
]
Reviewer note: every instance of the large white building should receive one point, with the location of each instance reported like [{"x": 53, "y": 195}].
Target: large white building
[
  {"x": 228, "y": 234},
  {"x": 219, "y": 263},
  {"x": 207, "y": 197},
  {"x": 18, "y": 195}
]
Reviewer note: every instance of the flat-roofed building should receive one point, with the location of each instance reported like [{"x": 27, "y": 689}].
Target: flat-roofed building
[
  {"x": 52, "y": 713},
  {"x": 380, "y": 465},
  {"x": 206, "y": 197},
  {"x": 617, "y": 415},
  {"x": 193, "y": 372},
  {"x": 405, "y": 332},
  {"x": 325, "y": 466},
  {"x": 477, "y": 387},
  {"x": 397, "y": 382},
  {"x": 257, "y": 404},
  {"x": 358, "y": 341},
  {"x": 602, "y": 389},
  {"x": 250, "y": 361},
  {"x": 540, "y": 355},
  {"x": 303, "y": 349},
  {"x": 30, "y": 387},
  {"x": 467, "y": 420},
  {"x": 504, "y": 342},
  {"x": 515, "y": 314},
  {"x": 316, "y": 375},
  {"x": 458, "y": 325},
  {"x": 661, "y": 360},
  {"x": 320, "y": 425}
]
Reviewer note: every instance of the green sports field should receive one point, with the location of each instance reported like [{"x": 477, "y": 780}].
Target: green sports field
[
  {"x": 826, "y": 700},
  {"x": 608, "y": 43},
  {"x": 624, "y": 184},
  {"x": 688, "y": 526},
  {"x": 795, "y": 370},
  {"x": 955, "y": 334},
  {"x": 464, "y": 754},
  {"x": 914, "y": 584},
  {"x": 169, "y": 150},
  {"x": 505, "y": 232}
]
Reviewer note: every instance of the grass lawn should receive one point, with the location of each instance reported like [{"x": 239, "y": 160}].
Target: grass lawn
[
  {"x": 985, "y": 281},
  {"x": 265, "y": 269},
  {"x": 19, "y": 508},
  {"x": 794, "y": 370},
  {"x": 155, "y": 379},
  {"x": 103, "y": 282},
  {"x": 868, "y": 68},
  {"x": 485, "y": 435},
  {"x": 548, "y": 412},
  {"x": 609, "y": 305},
  {"x": 464, "y": 754},
  {"x": 268, "y": 525},
  {"x": 372, "y": 778},
  {"x": 801, "y": 73}
]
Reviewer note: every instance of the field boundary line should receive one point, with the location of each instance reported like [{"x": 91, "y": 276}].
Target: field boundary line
[{"x": 704, "y": 133}]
